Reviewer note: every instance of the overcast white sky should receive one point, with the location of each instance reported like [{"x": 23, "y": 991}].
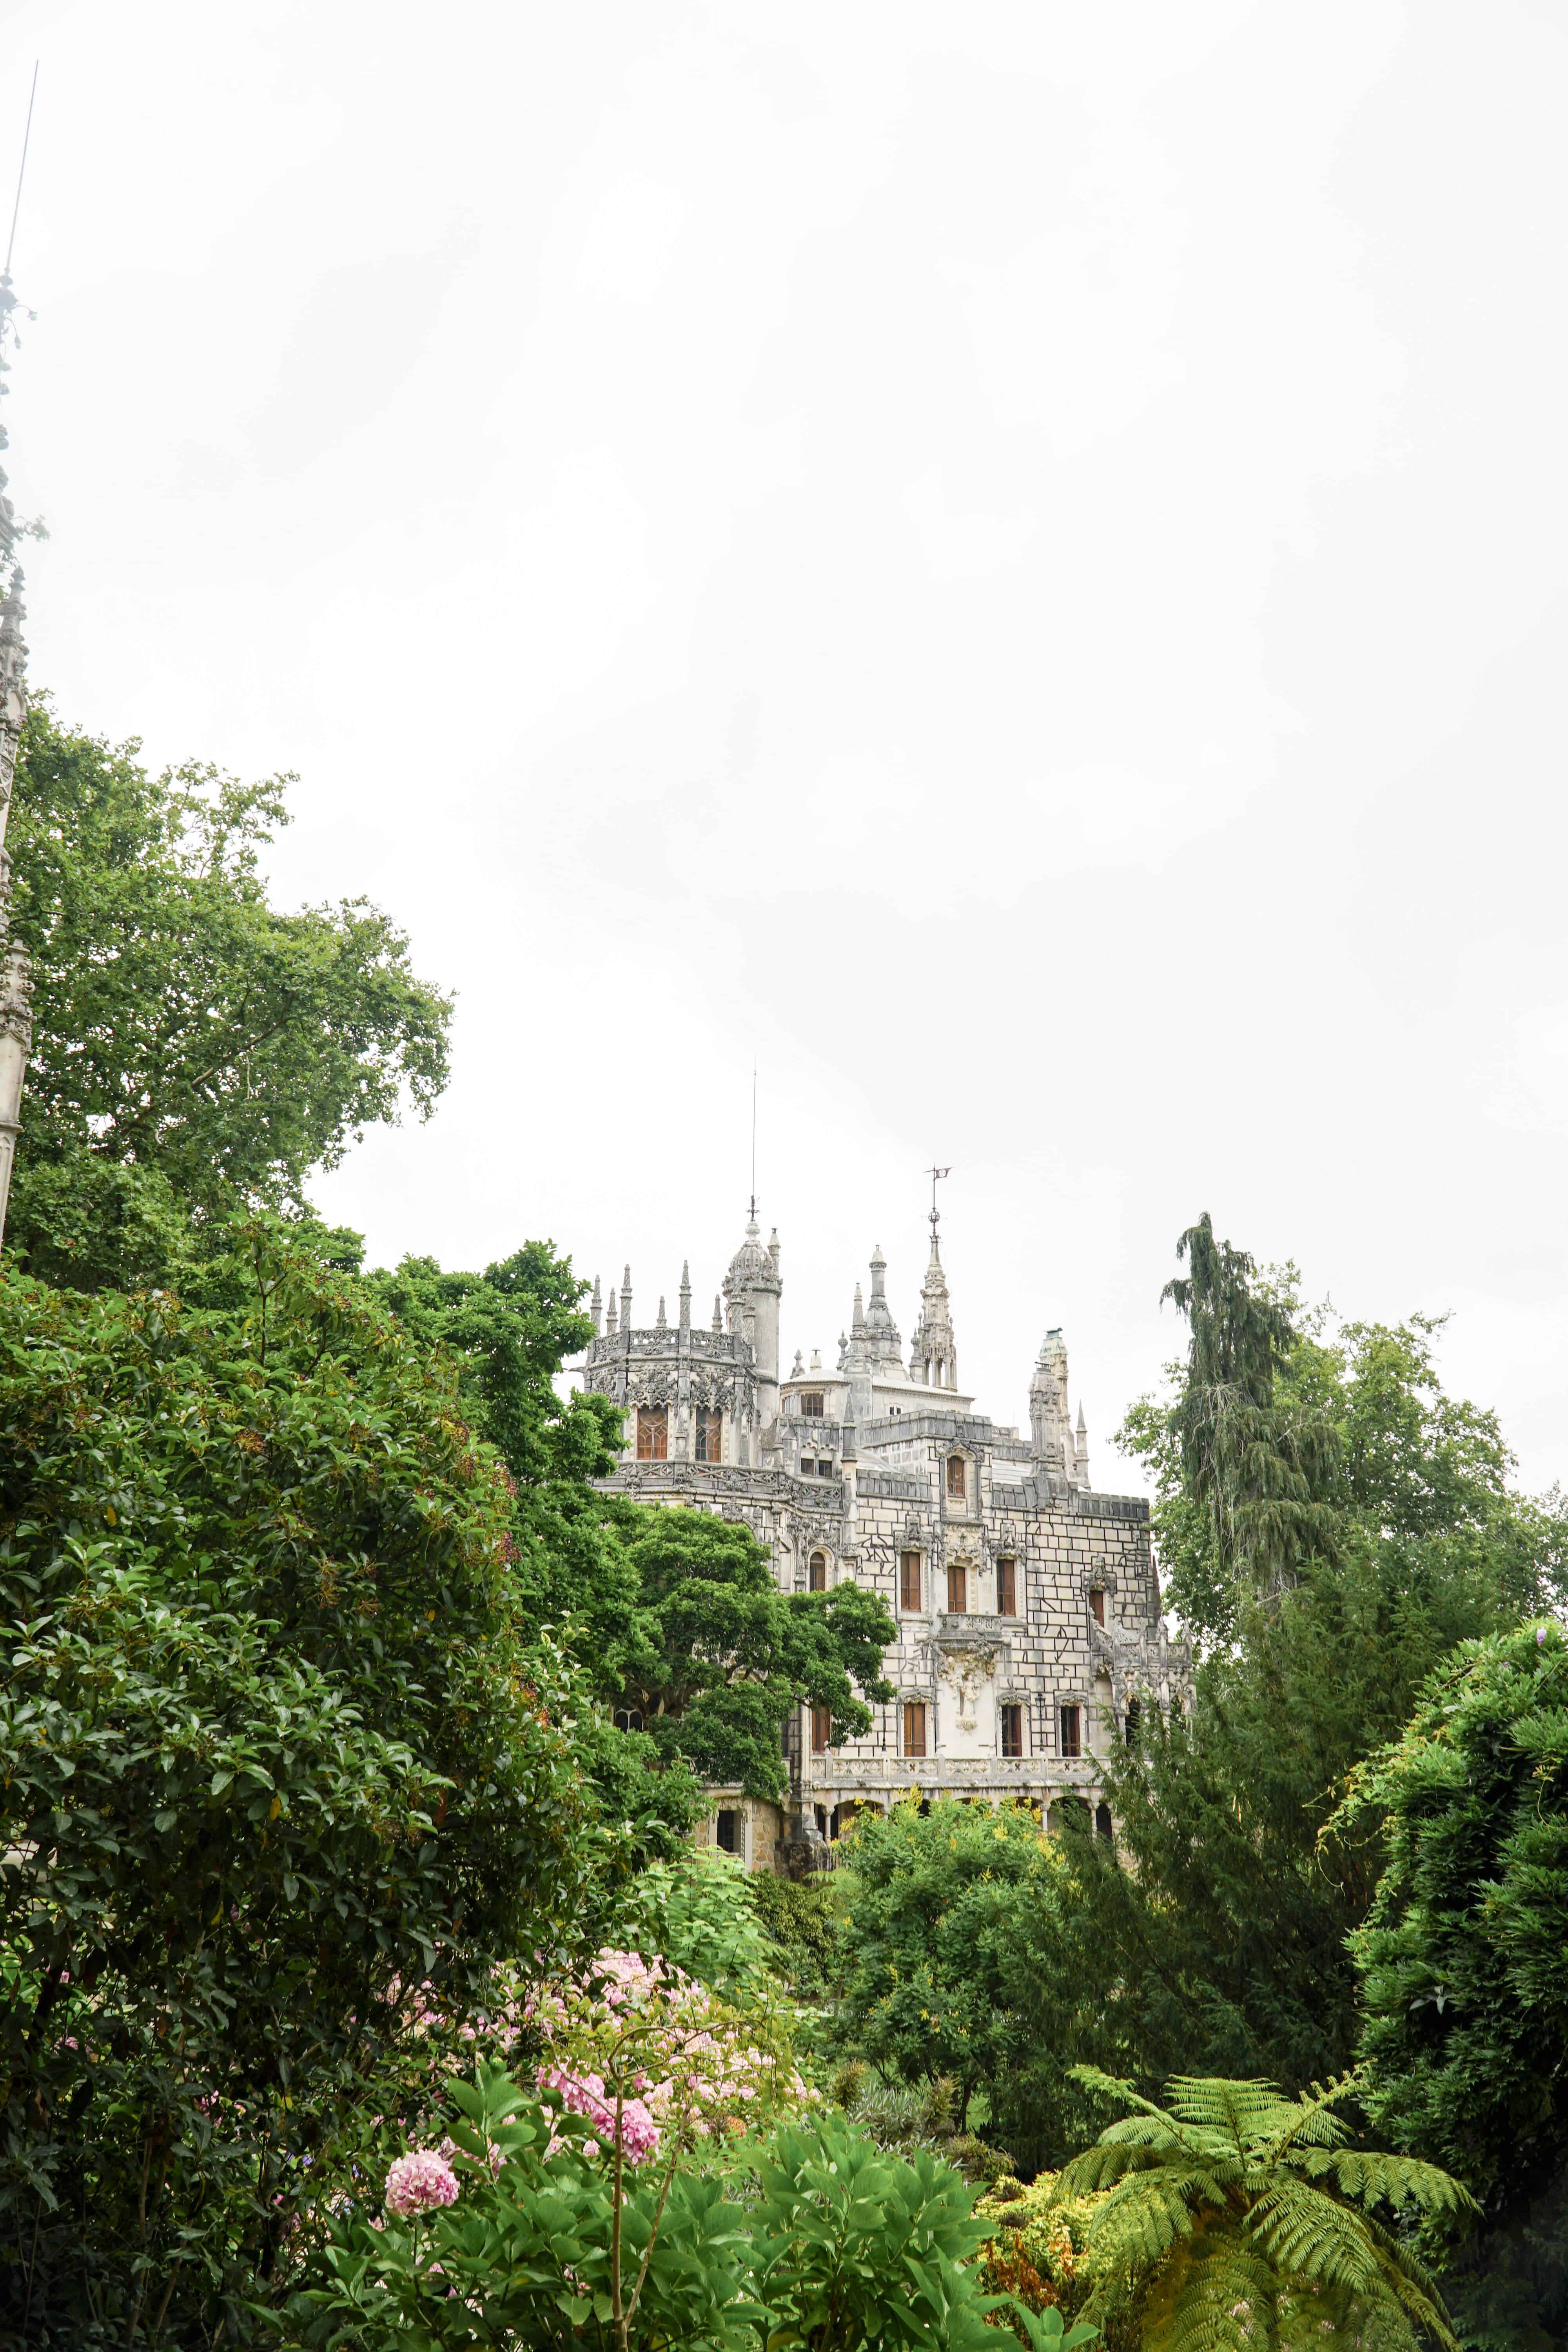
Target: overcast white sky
[{"x": 1004, "y": 562}]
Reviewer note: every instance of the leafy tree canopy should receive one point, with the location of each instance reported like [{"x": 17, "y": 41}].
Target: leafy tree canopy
[
  {"x": 278, "y": 1745},
  {"x": 1223, "y": 1948},
  {"x": 960, "y": 1957},
  {"x": 1464, "y": 1962},
  {"x": 716, "y": 1658},
  {"x": 193, "y": 1049}
]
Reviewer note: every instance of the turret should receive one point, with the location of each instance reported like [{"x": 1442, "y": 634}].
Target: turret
[
  {"x": 1080, "y": 1449},
  {"x": 1051, "y": 1430},
  {"x": 751, "y": 1291}
]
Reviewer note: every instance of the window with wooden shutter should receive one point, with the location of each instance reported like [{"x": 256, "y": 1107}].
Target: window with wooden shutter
[
  {"x": 1072, "y": 1731},
  {"x": 909, "y": 1583},
  {"x": 1097, "y": 1603},
  {"x": 1012, "y": 1728},
  {"x": 1006, "y": 1587},
  {"x": 955, "y": 1477},
  {"x": 653, "y": 1433},
  {"x": 957, "y": 1589},
  {"x": 914, "y": 1727},
  {"x": 816, "y": 1573},
  {"x": 821, "y": 1730}
]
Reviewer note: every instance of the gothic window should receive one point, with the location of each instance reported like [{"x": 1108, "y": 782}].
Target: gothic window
[
  {"x": 1012, "y": 1728},
  {"x": 909, "y": 1583},
  {"x": 1134, "y": 1717},
  {"x": 1072, "y": 1731},
  {"x": 1103, "y": 1827},
  {"x": 957, "y": 1589},
  {"x": 729, "y": 1831},
  {"x": 1097, "y": 1603},
  {"x": 821, "y": 1730},
  {"x": 628, "y": 1718},
  {"x": 811, "y": 1403},
  {"x": 653, "y": 1433},
  {"x": 710, "y": 1435},
  {"x": 1006, "y": 1587},
  {"x": 914, "y": 1727},
  {"x": 816, "y": 1573},
  {"x": 955, "y": 1482}
]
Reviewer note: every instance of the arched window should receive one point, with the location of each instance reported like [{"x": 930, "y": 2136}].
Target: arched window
[
  {"x": 710, "y": 1435},
  {"x": 1135, "y": 1718},
  {"x": 628, "y": 1718},
  {"x": 955, "y": 1477},
  {"x": 816, "y": 1572},
  {"x": 653, "y": 1433},
  {"x": 1102, "y": 1821}
]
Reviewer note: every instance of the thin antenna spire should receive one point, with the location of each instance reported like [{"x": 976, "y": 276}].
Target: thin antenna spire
[
  {"x": 936, "y": 1175},
  {"x": 11, "y": 241}
]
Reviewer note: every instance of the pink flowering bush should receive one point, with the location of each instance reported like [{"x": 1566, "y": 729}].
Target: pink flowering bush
[
  {"x": 419, "y": 2182},
  {"x": 674, "y": 2051}
]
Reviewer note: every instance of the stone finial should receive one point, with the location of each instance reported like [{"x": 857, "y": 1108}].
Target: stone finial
[
  {"x": 597, "y": 1306},
  {"x": 611, "y": 1325},
  {"x": 626, "y": 1300},
  {"x": 685, "y": 1295},
  {"x": 858, "y": 1320},
  {"x": 718, "y": 1315},
  {"x": 1081, "y": 1448},
  {"x": 843, "y": 1351},
  {"x": 816, "y": 1359},
  {"x": 662, "y": 1325},
  {"x": 799, "y": 1368},
  {"x": 884, "y": 1347}
]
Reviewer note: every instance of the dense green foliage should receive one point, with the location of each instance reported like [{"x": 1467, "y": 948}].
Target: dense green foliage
[
  {"x": 1464, "y": 1962},
  {"x": 1226, "y": 1944},
  {"x": 1236, "y": 2217},
  {"x": 276, "y": 1749},
  {"x": 194, "y": 1050},
  {"x": 961, "y": 1962}
]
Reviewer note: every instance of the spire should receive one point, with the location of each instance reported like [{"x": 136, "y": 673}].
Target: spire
[
  {"x": 597, "y": 1306},
  {"x": 610, "y": 1325},
  {"x": 934, "y": 1359},
  {"x": 883, "y": 1345},
  {"x": 16, "y": 984},
  {"x": 685, "y": 1294},
  {"x": 718, "y": 1315},
  {"x": 858, "y": 1320},
  {"x": 626, "y": 1300},
  {"x": 662, "y": 1325},
  {"x": 1081, "y": 1448}
]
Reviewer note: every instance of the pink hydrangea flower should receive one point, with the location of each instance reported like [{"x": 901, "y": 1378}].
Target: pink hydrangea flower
[
  {"x": 585, "y": 2094},
  {"x": 418, "y": 2182}
]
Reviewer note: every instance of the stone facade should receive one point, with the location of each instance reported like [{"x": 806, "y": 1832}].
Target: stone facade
[{"x": 1027, "y": 1605}]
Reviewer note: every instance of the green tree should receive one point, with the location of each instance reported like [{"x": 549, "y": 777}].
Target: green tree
[
  {"x": 1224, "y": 1947},
  {"x": 1464, "y": 1965},
  {"x": 960, "y": 1959},
  {"x": 1237, "y": 2218},
  {"x": 282, "y": 1765},
  {"x": 193, "y": 1049},
  {"x": 1255, "y": 1462},
  {"x": 716, "y": 1658}
]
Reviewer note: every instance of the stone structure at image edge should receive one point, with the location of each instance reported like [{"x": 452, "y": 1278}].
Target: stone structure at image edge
[{"x": 1027, "y": 1604}]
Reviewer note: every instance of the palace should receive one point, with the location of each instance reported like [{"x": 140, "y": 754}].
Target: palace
[{"x": 1027, "y": 1604}]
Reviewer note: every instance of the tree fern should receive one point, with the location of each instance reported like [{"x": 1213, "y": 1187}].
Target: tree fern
[{"x": 1235, "y": 2219}]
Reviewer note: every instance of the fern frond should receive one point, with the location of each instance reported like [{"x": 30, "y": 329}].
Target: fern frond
[
  {"x": 1223, "y": 2303},
  {"x": 1314, "y": 2123},
  {"x": 1306, "y": 2234},
  {"x": 1101, "y": 2166},
  {"x": 1373, "y": 2177}
]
